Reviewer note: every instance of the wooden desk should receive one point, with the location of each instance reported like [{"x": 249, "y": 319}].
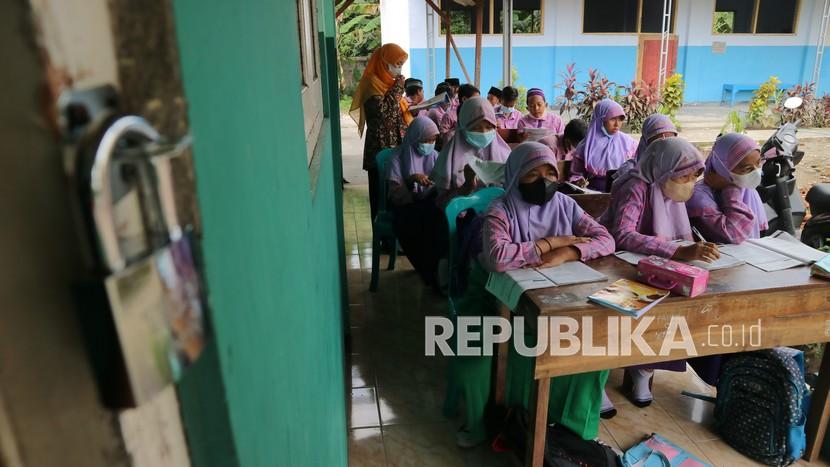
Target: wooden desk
[{"x": 793, "y": 309}]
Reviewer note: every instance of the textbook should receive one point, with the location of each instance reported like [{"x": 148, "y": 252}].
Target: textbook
[
  {"x": 821, "y": 268},
  {"x": 509, "y": 286},
  {"x": 535, "y": 134},
  {"x": 774, "y": 253},
  {"x": 489, "y": 172},
  {"x": 430, "y": 103},
  {"x": 629, "y": 297},
  {"x": 724, "y": 262}
]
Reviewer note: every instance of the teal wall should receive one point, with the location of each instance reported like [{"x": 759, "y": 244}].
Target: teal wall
[{"x": 272, "y": 245}]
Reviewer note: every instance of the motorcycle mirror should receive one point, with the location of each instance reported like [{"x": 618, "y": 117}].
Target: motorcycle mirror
[{"x": 793, "y": 102}]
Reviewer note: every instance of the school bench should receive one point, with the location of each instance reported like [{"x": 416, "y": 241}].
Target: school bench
[
  {"x": 793, "y": 309},
  {"x": 733, "y": 89}
]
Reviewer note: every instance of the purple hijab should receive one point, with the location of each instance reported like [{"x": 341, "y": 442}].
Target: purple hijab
[
  {"x": 601, "y": 152},
  {"x": 406, "y": 160},
  {"x": 653, "y": 125},
  {"x": 449, "y": 168},
  {"x": 728, "y": 151},
  {"x": 528, "y": 221},
  {"x": 664, "y": 159}
]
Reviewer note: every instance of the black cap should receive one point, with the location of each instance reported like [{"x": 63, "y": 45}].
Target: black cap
[
  {"x": 495, "y": 91},
  {"x": 453, "y": 81},
  {"x": 413, "y": 82}
]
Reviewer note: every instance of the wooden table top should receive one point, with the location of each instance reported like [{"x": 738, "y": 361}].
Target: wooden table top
[{"x": 792, "y": 306}]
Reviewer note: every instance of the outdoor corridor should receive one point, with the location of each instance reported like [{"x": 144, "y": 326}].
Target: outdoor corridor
[{"x": 396, "y": 393}]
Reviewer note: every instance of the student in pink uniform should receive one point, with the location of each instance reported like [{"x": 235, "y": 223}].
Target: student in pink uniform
[
  {"x": 725, "y": 205},
  {"x": 507, "y": 117},
  {"x": 494, "y": 96},
  {"x": 647, "y": 213},
  {"x": 564, "y": 144},
  {"x": 450, "y": 118},
  {"x": 538, "y": 115},
  {"x": 604, "y": 148}
]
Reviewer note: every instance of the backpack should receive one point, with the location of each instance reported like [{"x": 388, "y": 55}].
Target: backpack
[
  {"x": 761, "y": 405},
  {"x": 563, "y": 448}
]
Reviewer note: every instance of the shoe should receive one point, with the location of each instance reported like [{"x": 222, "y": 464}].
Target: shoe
[
  {"x": 607, "y": 410},
  {"x": 465, "y": 440},
  {"x": 637, "y": 386}
]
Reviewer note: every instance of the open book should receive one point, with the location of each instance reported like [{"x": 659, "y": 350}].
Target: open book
[
  {"x": 509, "y": 286},
  {"x": 774, "y": 253},
  {"x": 724, "y": 262},
  {"x": 489, "y": 172},
  {"x": 535, "y": 134},
  {"x": 629, "y": 297},
  {"x": 430, "y": 103}
]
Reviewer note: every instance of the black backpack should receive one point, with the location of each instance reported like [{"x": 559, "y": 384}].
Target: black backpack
[{"x": 563, "y": 448}]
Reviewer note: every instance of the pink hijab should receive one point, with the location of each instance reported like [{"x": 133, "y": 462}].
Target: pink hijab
[
  {"x": 728, "y": 151},
  {"x": 664, "y": 159},
  {"x": 653, "y": 125},
  {"x": 406, "y": 160},
  {"x": 449, "y": 168}
]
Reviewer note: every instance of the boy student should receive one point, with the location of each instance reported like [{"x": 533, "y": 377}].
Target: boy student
[
  {"x": 494, "y": 96},
  {"x": 450, "y": 119},
  {"x": 414, "y": 89},
  {"x": 507, "y": 117}
]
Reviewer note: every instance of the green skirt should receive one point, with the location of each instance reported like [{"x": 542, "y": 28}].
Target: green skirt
[{"x": 575, "y": 400}]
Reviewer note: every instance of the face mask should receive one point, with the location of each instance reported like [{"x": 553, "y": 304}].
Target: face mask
[
  {"x": 478, "y": 139},
  {"x": 678, "y": 192},
  {"x": 749, "y": 181},
  {"x": 507, "y": 110},
  {"x": 539, "y": 192},
  {"x": 425, "y": 148},
  {"x": 394, "y": 70}
]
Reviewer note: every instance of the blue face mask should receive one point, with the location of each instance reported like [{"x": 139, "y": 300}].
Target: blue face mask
[
  {"x": 507, "y": 110},
  {"x": 480, "y": 140},
  {"x": 425, "y": 149}
]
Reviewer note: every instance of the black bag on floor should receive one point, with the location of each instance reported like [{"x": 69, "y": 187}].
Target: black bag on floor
[{"x": 563, "y": 448}]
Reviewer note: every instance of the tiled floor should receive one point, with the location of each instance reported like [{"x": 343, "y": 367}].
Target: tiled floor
[{"x": 396, "y": 392}]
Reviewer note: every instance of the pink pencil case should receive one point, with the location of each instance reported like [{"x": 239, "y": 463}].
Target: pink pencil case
[{"x": 682, "y": 279}]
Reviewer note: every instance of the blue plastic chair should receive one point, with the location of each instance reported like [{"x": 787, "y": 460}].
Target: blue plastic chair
[
  {"x": 382, "y": 224},
  {"x": 478, "y": 201}
]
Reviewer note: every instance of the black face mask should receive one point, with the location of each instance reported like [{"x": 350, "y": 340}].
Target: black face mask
[{"x": 539, "y": 192}]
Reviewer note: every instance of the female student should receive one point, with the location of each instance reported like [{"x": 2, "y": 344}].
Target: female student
[
  {"x": 417, "y": 222},
  {"x": 655, "y": 126},
  {"x": 564, "y": 144},
  {"x": 530, "y": 225},
  {"x": 647, "y": 213},
  {"x": 507, "y": 117},
  {"x": 604, "y": 148},
  {"x": 725, "y": 206},
  {"x": 538, "y": 116},
  {"x": 476, "y": 137}
]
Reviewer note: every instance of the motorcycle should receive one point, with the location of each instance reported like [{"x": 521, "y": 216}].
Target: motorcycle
[{"x": 778, "y": 190}]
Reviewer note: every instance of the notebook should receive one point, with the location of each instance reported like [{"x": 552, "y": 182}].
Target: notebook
[
  {"x": 509, "y": 286},
  {"x": 629, "y": 297},
  {"x": 724, "y": 262},
  {"x": 774, "y": 253},
  {"x": 489, "y": 172},
  {"x": 430, "y": 103}
]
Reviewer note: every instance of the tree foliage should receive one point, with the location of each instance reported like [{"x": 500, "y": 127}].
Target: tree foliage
[{"x": 358, "y": 31}]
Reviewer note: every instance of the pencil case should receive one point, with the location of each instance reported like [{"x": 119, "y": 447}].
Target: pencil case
[{"x": 682, "y": 279}]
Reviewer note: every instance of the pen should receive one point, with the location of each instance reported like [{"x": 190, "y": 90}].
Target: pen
[{"x": 699, "y": 235}]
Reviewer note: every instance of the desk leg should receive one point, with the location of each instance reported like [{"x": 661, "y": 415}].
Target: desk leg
[
  {"x": 539, "y": 395},
  {"x": 819, "y": 410},
  {"x": 501, "y": 360}
]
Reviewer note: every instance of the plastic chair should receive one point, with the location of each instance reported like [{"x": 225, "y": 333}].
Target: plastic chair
[
  {"x": 382, "y": 224},
  {"x": 478, "y": 201}
]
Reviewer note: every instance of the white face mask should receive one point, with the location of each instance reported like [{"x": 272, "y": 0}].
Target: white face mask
[
  {"x": 678, "y": 192},
  {"x": 748, "y": 181},
  {"x": 394, "y": 70}
]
